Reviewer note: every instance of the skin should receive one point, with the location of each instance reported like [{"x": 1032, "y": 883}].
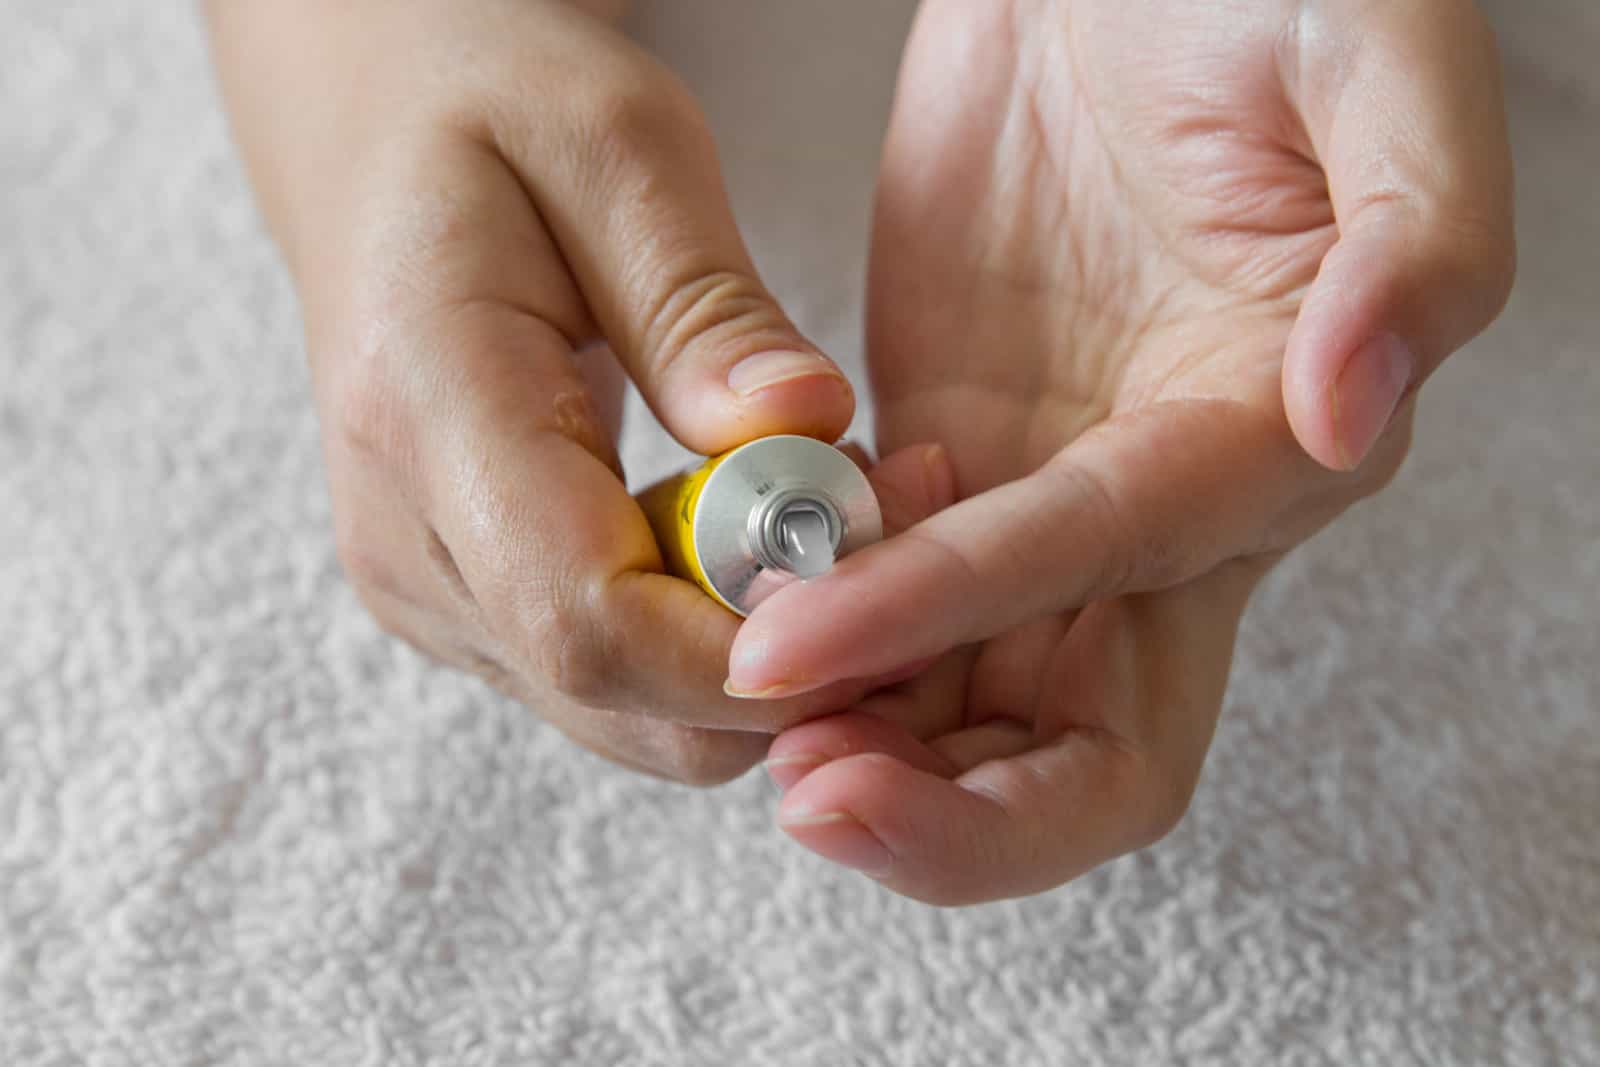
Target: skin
[
  {"x": 1160, "y": 278},
  {"x": 1163, "y": 278},
  {"x": 492, "y": 211}
]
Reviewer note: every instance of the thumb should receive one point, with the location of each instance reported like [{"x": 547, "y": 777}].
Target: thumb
[
  {"x": 639, "y": 211},
  {"x": 1403, "y": 106}
]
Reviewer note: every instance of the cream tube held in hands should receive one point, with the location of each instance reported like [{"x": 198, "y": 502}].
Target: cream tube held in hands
[{"x": 745, "y": 523}]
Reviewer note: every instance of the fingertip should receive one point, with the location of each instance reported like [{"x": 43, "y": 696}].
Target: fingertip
[
  {"x": 877, "y": 611},
  {"x": 786, "y": 770},
  {"x": 797, "y": 392},
  {"x": 758, "y": 666},
  {"x": 1365, "y": 395},
  {"x": 773, "y": 392},
  {"x": 1309, "y": 405},
  {"x": 1341, "y": 313},
  {"x": 781, "y": 650},
  {"x": 846, "y": 785},
  {"x": 757, "y": 374},
  {"x": 930, "y": 830},
  {"x": 854, "y": 733},
  {"x": 842, "y": 838}
]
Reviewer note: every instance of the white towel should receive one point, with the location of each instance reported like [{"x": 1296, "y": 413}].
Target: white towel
[{"x": 238, "y": 825}]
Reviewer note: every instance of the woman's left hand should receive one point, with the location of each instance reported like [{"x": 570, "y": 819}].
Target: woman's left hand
[{"x": 1163, "y": 278}]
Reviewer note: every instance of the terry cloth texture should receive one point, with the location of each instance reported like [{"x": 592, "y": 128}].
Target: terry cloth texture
[{"x": 239, "y": 825}]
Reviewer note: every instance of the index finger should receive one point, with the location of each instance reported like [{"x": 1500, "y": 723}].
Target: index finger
[{"x": 1143, "y": 502}]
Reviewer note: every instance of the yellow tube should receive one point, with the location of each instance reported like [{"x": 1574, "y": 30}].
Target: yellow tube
[
  {"x": 731, "y": 525},
  {"x": 670, "y": 507}
]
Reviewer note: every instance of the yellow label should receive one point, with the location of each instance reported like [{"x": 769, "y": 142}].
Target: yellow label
[{"x": 670, "y": 506}]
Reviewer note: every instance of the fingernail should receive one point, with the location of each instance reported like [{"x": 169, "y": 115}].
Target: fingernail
[
  {"x": 771, "y": 692},
  {"x": 787, "y": 770},
  {"x": 1366, "y": 393},
  {"x": 842, "y": 838},
  {"x": 766, "y": 369}
]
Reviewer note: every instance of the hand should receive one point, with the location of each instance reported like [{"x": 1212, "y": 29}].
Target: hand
[
  {"x": 472, "y": 198},
  {"x": 1163, "y": 278}
]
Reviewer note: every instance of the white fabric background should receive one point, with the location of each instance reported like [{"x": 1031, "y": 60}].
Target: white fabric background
[{"x": 240, "y": 826}]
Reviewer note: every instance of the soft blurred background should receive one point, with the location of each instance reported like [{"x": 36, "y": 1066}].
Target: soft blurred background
[{"x": 239, "y": 825}]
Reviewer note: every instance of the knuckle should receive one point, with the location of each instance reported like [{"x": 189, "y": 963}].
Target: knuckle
[
  {"x": 363, "y": 559},
  {"x": 548, "y": 624},
  {"x": 688, "y": 298},
  {"x": 368, "y": 414},
  {"x": 1482, "y": 250},
  {"x": 578, "y": 671},
  {"x": 1166, "y": 799},
  {"x": 1101, "y": 518},
  {"x": 634, "y": 105},
  {"x": 1113, "y": 530},
  {"x": 567, "y": 660},
  {"x": 445, "y": 567},
  {"x": 706, "y": 758},
  {"x": 626, "y": 113},
  {"x": 701, "y": 306},
  {"x": 563, "y": 648},
  {"x": 1467, "y": 243}
]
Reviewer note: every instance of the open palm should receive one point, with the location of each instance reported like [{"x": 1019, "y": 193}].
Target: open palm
[{"x": 1161, "y": 278}]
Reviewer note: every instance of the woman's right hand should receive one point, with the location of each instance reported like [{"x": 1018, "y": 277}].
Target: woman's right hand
[{"x": 476, "y": 202}]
